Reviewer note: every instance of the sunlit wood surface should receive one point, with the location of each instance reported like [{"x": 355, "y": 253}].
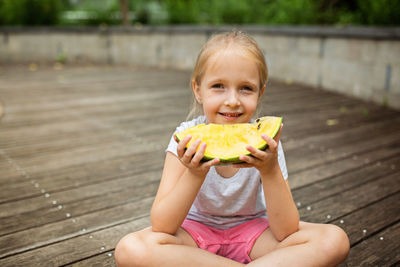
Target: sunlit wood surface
[{"x": 82, "y": 149}]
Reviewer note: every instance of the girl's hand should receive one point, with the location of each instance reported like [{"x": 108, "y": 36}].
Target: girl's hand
[
  {"x": 265, "y": 161},
  {"x": 191, "y": 157}
]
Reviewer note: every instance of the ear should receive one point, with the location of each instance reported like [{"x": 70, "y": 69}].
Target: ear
[
  {"x": 261, "y": 91},
  {"x": 196, "y": 91}
]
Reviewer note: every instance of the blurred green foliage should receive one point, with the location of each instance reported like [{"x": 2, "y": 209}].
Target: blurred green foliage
[
  {"x": 29, "y": 12},
  {"x": 213, "y": 12},
  {"x": 317, "y": 12},
  {"x": 91, "y": 12}
]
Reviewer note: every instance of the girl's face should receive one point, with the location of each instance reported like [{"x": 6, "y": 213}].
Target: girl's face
[{"x": 229, "y": 89}]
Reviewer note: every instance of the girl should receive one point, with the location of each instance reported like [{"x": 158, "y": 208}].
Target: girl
[{"x": 205, "y": 214}]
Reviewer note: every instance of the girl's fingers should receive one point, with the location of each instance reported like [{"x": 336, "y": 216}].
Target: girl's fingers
[
  {"x": 199, "y": 154},
  {"x": 182, "y": 145},
  {"x": 188, "y": 155},
  {"x": 272, "y": 144},
  {"x": 256, "y": 152},
  {"x": 210, "y": 163},
  {"x": 248, "y": 159}
]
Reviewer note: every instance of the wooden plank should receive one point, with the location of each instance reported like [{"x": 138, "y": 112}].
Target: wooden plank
[
  {"x": 381, "y": 249},
  {"x": 136, "y": 103},
  {"x": 347, "y": 180},
  {"x": 66, "y": 252},
  {"x": 44, "y": 129},
  {"x": 44, "y": 80},
  {"x": 57, "y": 179},
  {"x": 301, "y": 160},
  {"x": 78, "y": 201},
  {"x": 36, "y": 149},
  {"x": 88, "y": 154},
  {"x": 86, "y": 171},
  {"x": 303, "y": 101},
  {"x": 352, "y": 114},
  {"x": 342, "y": 166},
  {"x": 127, "y": 105},
  {"x": 15, "y": 120},
  {"x": 350, "y": 200},
  {"x": 343, "y": 136},
  {"x": 319, "y": 127},
  {"x": 75, "y": 177},
  {"x": 307, "y": 102},
  {"x": 68, "y": 228},
  {"x": 364, "y": 223},
  {"x": 103, "y": 259},
  {"x": 99, "y": 100},
  {"x": 87, "y": 132}
]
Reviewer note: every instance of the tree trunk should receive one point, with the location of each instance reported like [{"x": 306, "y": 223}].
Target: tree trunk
[{"x": 124, "y": 12}]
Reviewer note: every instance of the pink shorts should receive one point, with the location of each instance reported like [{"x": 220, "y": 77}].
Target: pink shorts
[{"x": 234, "y": 243}]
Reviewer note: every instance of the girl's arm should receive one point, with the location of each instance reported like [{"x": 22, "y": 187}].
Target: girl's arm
[
  {"x": 283, "y": 215},
  {"x": 180, "y": 182}
]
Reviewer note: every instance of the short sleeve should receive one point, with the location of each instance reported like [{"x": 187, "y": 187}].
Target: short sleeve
[
  {"x": 282, "y": 161},
  {"x": 172, "y": 146}
]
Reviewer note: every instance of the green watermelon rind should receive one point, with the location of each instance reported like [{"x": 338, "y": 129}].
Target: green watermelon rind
[{"x": 236, "y": 160}]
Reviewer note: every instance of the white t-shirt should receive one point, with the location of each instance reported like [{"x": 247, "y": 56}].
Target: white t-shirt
[{"x": 226, "y": 202}]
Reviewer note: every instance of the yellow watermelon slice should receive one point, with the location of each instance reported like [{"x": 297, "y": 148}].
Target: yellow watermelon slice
[{"x": 228, "y": 141}]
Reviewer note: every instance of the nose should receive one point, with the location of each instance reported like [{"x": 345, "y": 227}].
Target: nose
[{"x": 232, "y": 99}]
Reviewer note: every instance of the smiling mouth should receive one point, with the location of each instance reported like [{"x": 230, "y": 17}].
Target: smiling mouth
[{"x": 230, "y": 114}]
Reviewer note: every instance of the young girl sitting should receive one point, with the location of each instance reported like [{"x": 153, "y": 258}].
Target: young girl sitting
[{"x": 205, "y": 214}]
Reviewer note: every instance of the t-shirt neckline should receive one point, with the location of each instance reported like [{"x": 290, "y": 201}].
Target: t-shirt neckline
[{"x": 233, "y": 177}]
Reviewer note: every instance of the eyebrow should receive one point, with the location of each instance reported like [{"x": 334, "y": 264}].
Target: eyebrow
[
  {"x": 215, "y": 81},
  {"x": 218, "y": 80},
  {"x": 251, "y": 84}
]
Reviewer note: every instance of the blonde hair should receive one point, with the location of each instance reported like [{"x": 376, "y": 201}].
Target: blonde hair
[{"x": 222, "y": 41}]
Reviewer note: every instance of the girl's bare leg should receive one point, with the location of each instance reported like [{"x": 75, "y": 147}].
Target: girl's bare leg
[
  {"x": 312, "y": 245},
  {"x": 148, "y": 248}
]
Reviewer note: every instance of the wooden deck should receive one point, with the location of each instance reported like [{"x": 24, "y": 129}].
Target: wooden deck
[{"x": 82, "y": 148}]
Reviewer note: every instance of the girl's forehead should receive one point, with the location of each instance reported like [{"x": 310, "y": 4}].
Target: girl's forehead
[
  {"x": 231, "y": 50},
  {"x": 231, "y": 53}
]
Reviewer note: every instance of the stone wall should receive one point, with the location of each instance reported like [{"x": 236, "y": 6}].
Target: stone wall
[{"x": 361, "y": 62}]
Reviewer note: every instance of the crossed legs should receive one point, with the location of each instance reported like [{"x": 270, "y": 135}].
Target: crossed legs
[{"x": 312, "y": 245}]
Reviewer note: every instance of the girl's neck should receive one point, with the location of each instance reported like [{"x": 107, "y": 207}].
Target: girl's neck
[{"x": 226, "y": 171}]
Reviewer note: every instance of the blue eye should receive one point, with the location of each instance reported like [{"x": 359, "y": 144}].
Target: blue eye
[
  {"x": 247, "y": 88},
  {"x": 218, "y": 85}
]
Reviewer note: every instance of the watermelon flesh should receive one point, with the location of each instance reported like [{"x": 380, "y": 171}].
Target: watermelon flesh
[{"x": 228, "y": 141}]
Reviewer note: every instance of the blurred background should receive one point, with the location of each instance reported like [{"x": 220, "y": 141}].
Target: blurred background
[
  {"x": 156, "y": 12},
  {"x": 346, "y": 46}
]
